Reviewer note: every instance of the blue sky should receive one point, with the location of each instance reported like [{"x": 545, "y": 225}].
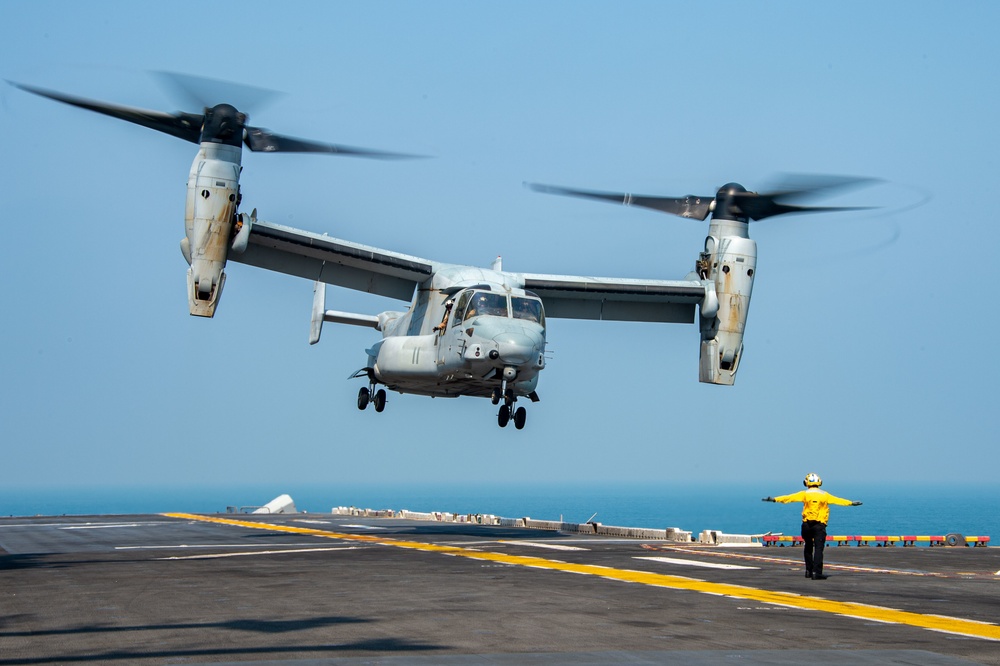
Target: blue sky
[{"x": 869, "y": 352}]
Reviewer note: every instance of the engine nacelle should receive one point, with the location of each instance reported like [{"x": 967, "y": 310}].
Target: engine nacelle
[
  {"x": 213, "y": 193},
  {"x": 732, "y": 262}
]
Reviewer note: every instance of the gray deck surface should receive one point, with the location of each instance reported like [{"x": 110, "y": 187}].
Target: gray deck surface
[{"x": 168, "y": 590}]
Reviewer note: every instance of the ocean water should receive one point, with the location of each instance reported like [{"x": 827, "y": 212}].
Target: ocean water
[{"x": 972, "y": 510}]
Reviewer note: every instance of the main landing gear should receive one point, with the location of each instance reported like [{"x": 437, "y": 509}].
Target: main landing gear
[
  {"x": 367, "y": 394},
  {"x": 507, "y": 410}
]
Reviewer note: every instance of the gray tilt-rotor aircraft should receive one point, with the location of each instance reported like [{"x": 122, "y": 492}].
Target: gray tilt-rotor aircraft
[{"x": 468, "y": 331}]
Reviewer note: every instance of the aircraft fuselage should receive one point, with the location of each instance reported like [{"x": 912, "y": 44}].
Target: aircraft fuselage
[{"x": 469, "y": 331}]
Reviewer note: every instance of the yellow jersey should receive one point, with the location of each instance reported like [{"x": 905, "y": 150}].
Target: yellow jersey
[{"x": 815, "y": 503}]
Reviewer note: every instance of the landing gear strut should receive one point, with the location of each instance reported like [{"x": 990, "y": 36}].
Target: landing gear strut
[{"x": 507, "y": 410}]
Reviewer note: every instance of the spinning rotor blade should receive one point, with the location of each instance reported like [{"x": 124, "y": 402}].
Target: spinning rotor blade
[
  {"x": 689, "y": 206},
  {"x": 202, "y": 93},
  {"x": 185, "y": 126},
  {"x": 263, "y": 140},
  {"x": 218, "y": 123},
  {"x": 760, "y": 206},
  {"x": 732, "y": 201}
]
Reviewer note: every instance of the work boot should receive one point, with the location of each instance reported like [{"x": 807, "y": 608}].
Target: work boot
[
  {"x": 819, "y": 576},
  {"x": 809, "y": 574}
]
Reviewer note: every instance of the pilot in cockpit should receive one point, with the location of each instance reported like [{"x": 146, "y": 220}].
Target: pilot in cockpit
[
  {"x": 525, "y": 309},
  {"x": 477, "y": 306}
]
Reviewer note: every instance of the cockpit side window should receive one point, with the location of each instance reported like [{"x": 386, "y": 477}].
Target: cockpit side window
[
  {"x": 457, "y": 311},
  {"x": 486, "y": 303},
  {"x": 529, "y": 309}
]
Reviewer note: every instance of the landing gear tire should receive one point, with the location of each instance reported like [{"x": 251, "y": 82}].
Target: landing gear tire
[
  {"x": 495, "y": 397},
  {"x": 504, "y": 416},
  {"x": 520, "y": 415},
  {"x": 363, "y": 396},
  {"x": 379, "y": 400}
]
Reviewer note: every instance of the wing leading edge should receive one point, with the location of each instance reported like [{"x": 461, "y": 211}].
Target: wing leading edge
[
  {"x": 395, "y": 275},
  {"x": 617, "y": 299},
  {"x": 333, "y": 261}
]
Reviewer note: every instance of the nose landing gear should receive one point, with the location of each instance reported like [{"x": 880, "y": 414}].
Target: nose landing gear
[{"x": 507, "y": 410}]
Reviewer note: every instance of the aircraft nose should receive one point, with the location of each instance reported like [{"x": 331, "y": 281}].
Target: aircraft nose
[{"x": 517, "y": 347}]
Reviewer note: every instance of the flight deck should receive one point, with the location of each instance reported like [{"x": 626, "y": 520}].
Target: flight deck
[{"x": 329, "y": 589}]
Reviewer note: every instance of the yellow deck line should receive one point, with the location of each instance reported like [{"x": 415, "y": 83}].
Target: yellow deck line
[{"x": 790, "y": 600}]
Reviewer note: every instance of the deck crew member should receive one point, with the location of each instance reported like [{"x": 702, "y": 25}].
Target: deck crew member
[{"x": 815, "y": 515}]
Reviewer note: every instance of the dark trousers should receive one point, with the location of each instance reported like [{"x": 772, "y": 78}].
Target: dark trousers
[{"x": 814, "y": 534}]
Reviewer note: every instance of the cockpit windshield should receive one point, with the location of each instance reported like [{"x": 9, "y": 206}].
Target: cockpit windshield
[
  {"x": 479, "y": 303},
  {"x": 463, "y": 301},
  {"x": 486, "y": 303},
  {"x": 527, "y": 308}
]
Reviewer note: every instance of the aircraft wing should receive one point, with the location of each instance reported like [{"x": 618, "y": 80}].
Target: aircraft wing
[
  {"x": 618, "y": 299},
  {"x": 333, "y": 261},
  {"x": 343, "y": 263}
]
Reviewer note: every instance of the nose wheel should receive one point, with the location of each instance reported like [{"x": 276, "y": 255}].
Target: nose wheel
[
  {"x": 503, "y": 417},
  {"x": 507, "y": 410}
]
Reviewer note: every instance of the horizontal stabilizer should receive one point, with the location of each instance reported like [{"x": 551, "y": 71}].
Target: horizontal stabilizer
[{"x": 337, "y": 317}]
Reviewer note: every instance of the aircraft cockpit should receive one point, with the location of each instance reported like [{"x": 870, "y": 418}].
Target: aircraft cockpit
[
  {"x": 529, "y": 308},
  {"x": 475, "y": 303}
]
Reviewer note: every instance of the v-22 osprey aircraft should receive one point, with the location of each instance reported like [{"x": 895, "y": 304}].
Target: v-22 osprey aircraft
[{"x": 468, "y": 331}]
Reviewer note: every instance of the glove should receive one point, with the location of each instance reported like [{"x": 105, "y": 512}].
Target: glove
[
  {"x": 767, "y": 499},
  {"x": 855, "y": 503}
]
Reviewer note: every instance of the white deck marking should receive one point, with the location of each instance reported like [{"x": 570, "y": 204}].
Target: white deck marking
[
  {"x": 552, "y": 546},
  {"x": 211, "y": 556},
  {"x": 797, "y": 561},
  {"x": 100, "y": 527},
  {"x": 78, "y": 525},
  {"x": 693, "y": 563},
  {"x": 365, "y": 527},
  {"x": 210, "y": 545}
]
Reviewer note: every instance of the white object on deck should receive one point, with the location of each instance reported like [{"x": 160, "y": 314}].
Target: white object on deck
[{"x": 280, "y": 504}]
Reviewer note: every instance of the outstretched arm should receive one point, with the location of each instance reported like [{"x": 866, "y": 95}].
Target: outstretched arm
[
  {"x": 833, "y": 499},
  {"x": 794, "y": 497}
]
